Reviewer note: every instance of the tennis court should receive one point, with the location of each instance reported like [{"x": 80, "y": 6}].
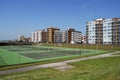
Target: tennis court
[{"x": 10, "y": 55}]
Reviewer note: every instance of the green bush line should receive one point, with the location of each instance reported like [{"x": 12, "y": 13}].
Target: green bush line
[{"x": 84, "y": 46}]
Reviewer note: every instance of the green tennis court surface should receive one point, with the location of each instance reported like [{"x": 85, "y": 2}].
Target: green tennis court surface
[{"x": 10, "y": 55}]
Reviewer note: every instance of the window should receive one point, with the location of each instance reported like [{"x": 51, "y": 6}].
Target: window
[
  {"x": 109, "y": 23},
  {"x": 104, "y": 30},
  {"x": 108, "y": 26},
  {"x": 104, "y": 26},
  {"x": 109, "y": 33}
]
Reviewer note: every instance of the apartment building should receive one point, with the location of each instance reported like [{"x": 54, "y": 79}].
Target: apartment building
[
  {"x": 76, "y": 37},
  {"x": 107, "y": 31},
  {"x": 103, "y": 31},
  {"x": 39, "y": 36},
  {"x": 57, "y": 37},
  {"x": 54, "y": 35},
  {"x": 116, "y": 31},
  {"x": 21, "y": 38},
  {"x": 50, "y": 34},
  {"x": 83, "y": 39},
  {"x": 69, "y": 34}
]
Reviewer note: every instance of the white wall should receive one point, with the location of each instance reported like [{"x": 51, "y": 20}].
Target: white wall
[
  {"x": 37, "y": 36},
  {"x": 91, "y": 32},
  {"x": 76, "y": 37},
  {"x": 107, "y": 31}
]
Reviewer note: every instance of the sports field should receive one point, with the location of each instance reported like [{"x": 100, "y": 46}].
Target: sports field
[{"x": 10, "y": 55}]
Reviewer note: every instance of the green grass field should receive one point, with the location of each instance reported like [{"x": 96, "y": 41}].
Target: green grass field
[
  {"x": 10, "y": 55},
  {"x": 95, "y": 69}
]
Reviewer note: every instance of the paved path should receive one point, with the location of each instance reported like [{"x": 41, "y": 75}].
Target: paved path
[{"x": 56, "y": 64}]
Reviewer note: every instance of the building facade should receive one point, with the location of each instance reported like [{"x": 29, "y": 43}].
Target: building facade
[
  {"x": 57, "y": 37},
  {"x": 76, "y": 37},
  {"x": 50, "y": 34},
  {"x": 90, "y": 32},
  {"x": 64, "y": 36},
  {"x": 39, "y": 36},
  {"x": 103, "y": 31},
  {"x": 107, "y": 31},
  {"x": 83, "y": 39},
  {"x": 69, "y": 35},
  {"x": 21, "y": 38},
  {"x": 54, "y": 35}
]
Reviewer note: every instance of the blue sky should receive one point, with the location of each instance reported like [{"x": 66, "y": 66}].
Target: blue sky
[{"x": 25, "y": 16}]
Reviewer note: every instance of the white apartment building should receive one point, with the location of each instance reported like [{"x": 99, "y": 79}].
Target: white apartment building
[
  {"x": 107, "y": 31},
  {"x": 37, "y": 36},
  {"x": 76, "y": 37},
  {"x": 103, "y": 31},
  {"x": 91, "y": 32}
]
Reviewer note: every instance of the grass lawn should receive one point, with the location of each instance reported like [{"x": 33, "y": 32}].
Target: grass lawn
[{"x": 95, "y": 69}]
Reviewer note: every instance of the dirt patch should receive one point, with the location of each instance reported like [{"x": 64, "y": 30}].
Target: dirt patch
[{"x": 63, "y": 67}]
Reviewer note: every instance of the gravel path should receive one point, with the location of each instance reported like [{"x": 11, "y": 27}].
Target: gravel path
[{"x": 56, "y": 64}]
